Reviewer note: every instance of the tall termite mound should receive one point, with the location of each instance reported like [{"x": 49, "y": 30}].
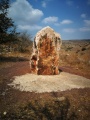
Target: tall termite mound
[{"x": 45, "y": 57}]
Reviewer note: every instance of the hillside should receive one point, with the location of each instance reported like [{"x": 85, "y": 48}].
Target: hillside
[
  {"x": 75, "y": 54},
  {"x": 70, "y": 104}
]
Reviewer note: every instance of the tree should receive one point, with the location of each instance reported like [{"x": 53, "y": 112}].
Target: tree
[
  {"x": 24, "y": 41},
  {"x": 7, "y": 27}
]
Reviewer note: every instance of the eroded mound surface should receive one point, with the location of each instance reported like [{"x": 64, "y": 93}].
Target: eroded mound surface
[{"x": 53, "y": 83}]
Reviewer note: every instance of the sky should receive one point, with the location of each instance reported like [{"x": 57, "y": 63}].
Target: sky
[{"x": 70, "y": 18}]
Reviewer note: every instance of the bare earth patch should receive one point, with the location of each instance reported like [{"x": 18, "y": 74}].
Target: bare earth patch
[{"x": 54, "y": 83}]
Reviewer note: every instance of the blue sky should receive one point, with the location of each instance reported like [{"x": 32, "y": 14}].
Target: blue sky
[{"x": 70, "y": 18}]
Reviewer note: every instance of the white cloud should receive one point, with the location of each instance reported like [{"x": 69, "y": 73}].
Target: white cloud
[
  {"x": 69, "y": 2},
  {"x": 29, "y": 27},
  {"x": 69, "y": 30},
  {"x": 87, "y": 22},
  {"x": 84, "y": 29},
  {"x": 44, "y": 4},
  {"x": 50, "y": 19},
  {"x": 88, "y": 2},
  {"x": 57, "y": 24},
  {"x": 63, "y": 22},
  {"x": 83, "y": 15},
  {"x": 24, "y": 14},
  {"x": 66, "y": 22}
]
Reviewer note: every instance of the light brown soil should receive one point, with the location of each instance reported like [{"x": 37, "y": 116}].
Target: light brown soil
[{"x": 49, "y": 83}]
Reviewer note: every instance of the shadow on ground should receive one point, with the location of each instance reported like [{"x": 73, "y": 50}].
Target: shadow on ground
[{"x": 12, "y": 59}]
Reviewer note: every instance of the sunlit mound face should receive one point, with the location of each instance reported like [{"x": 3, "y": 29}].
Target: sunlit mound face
[{"x": 45, "y": 57}]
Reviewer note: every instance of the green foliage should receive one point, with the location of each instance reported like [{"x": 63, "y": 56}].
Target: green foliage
[
  {"x": 7, "y": 28},
  {"x": 16, "y": 41}
]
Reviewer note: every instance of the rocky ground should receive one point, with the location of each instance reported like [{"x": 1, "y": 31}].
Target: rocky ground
[{"x": 68, "y": 105}]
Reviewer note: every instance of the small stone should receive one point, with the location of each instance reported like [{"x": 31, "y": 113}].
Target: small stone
[
  {"x": 3, "y": 93},
  {"x": 79, "y": 110},
  {"x": 67, "y": 54},
  {"x": 4, "y": 113},
  {"x": 61, "y": 99},
  {"x": 76, "y": 68}
]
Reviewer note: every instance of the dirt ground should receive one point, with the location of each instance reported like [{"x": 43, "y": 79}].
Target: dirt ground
[{"x": 73, "y": 60}]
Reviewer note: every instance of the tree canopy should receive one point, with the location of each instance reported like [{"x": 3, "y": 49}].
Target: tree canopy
[{"x": 7, "y": 27}]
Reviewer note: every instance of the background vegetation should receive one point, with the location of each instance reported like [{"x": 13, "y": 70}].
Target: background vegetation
[{"x": 10, "y": 40}]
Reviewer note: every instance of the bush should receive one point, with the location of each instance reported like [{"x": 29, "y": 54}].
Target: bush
[
  {"x": 68, "y": 48},
  {"x": 24, "y": 41},
  {"x": 83, "y": 49}
]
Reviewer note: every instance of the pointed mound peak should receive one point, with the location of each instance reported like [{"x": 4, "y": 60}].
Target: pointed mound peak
[
  {"x": 47, "y": 28},
  {"x": 46, "y": 31}
]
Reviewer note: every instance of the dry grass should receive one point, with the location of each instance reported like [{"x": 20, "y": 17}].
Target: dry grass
[
  {"x": 76, "y": 54},
  {"x": 17, "y": 105}
]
